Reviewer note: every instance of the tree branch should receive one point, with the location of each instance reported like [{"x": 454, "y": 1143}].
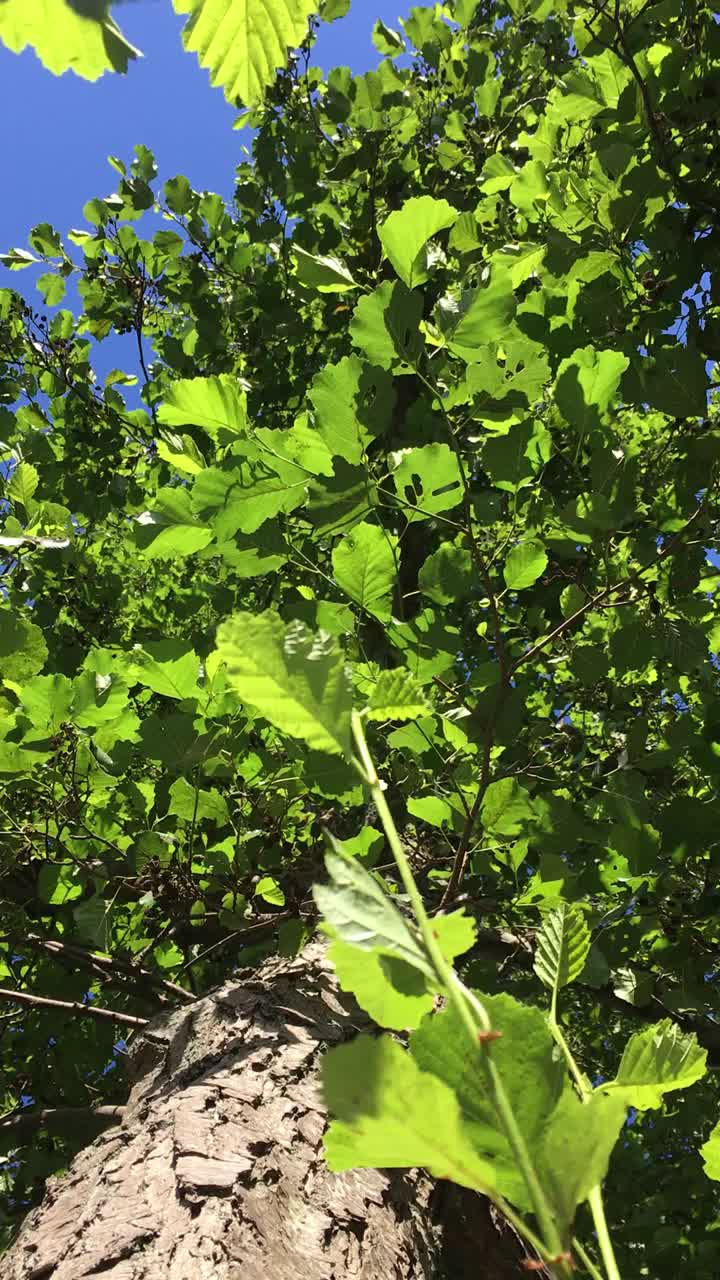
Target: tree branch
[
  {"x": 71, "y": 1006},
  {"x": 25, "y": 1122},
  {"x": 113, "y": 968}
]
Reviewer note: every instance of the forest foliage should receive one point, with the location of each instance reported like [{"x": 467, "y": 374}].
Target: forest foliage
[{"x": 381, "y": 591}]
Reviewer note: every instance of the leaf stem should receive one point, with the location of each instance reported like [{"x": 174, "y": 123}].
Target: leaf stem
[
  {"x": 595, "y": 1199},
  {"x": 470, "y": 1010},
  {"x": 586, "y": 1260},
  {"x": 597, "y": 1209}
]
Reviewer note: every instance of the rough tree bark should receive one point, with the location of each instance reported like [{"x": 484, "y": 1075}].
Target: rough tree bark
[{"x": 217, "y": 1172}]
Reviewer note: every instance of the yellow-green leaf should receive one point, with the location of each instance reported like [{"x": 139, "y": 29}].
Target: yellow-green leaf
[
  {"x": 243, "y": 42},
  {"x": 65, "y": 39}
]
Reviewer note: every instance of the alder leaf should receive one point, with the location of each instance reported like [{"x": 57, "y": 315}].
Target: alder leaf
[
  {"x": 243, "y": 42},
  {"x": 296, "y": 680}
]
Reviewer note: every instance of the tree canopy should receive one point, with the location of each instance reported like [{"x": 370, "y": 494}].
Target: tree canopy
[{"x": 425, "y": 424}]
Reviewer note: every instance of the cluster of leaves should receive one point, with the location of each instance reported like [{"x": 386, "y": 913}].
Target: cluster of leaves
[{"x": 437, "y": 393}]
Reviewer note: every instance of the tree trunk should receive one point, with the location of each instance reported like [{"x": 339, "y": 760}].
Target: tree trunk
[{"x": 217, "y": 1171}]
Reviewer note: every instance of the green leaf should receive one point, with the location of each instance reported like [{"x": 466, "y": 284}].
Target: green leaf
[
  {"x": 66, "y": 37},
  {"x": 97, "y": 699},
  {"x": 59, "y": 882},
  {"x": 432, "y": 809},
  {"x": 507, "y": 807},
  {"x": 628, "y": 984},
  {"x": 23, "y": 483},
  {"x": 530, "y": 189},
  {"x": 364, "y": 568},
  {"x": 352, "y": 404},
  {"x": 168, "y": 955},
  {"x": 386, "y": 325},
  {"x": 16, "y": 259},
  {"x": 534, "y": 1079},
  {"x": 397, "y": 695},
  {"x": 23, "y": 650},
  {"x": 483, "y": 314},
  {"x": 93, "y": 920},
  {"x": 297, "y": 681},
  {"x": 561, "y": 947},
  {"x": 47, "y": 700},
  {"x": 181, "y": 452},
  {"x": 405, "y": 233},
  {"x": 448, "y": 575},
  {"x": 330, "y": 10},
  {"x": 301, "y": 446},
  {"x": 576, "y": 1147},
  {"x": 195, "y": 803},
  {"x": 244, "y": 497},
  {"x": 396, "y": 994},
  {"x": 168, "y": 667},
  {"x": 497, "y": 174},
  {"x": 586, "y": 384},
  {"x": 710, "y": 1152},
  {"x": 269, "y": 890},
  {"x": 216, "y": 404},
  {"x": 171, "y": 530},
  {"x": 512, "y": 461},
  {"x": 326, "y": 274},
  {"x": 655, "y": 1062},
  {"x": 572, "y": 599},
  {"x": 386, "y": 40},
  {"x": 675, "y": 381},
  {"x": 427, "y": 480},
  {"x": 52, "y": 287},
  {"x": 391, "y": 1115},
  {"x": 525, "y": 564},
  {"x": 243, "y": 42},
  {"x": 361, "y": 913}
]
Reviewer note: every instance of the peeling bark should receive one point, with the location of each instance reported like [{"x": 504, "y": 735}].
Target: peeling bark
[{"x": 217, "y": 1171}]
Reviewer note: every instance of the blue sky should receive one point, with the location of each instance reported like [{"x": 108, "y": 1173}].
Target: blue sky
[{"x": 55, "y": 150}]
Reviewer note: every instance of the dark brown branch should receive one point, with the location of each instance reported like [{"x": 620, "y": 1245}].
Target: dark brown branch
[
  {"x": 113, "y": 968},
  {"x": 26, "y": 1122},
  {"x": 71, "y": 1006}
]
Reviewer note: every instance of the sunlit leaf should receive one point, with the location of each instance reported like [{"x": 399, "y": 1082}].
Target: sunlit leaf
[
  {"x": 83, "y": 39},
  {"x": 561, "y": 947},
  {"x": 364, "y": 565},
  {"x": 656, "y": 1061},
  {"x": 242, "y": 42},
  {"x": 405, "y": 233},
  {"x": 389, "y": 1114},
  {"x": 296, "y": 680}
]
